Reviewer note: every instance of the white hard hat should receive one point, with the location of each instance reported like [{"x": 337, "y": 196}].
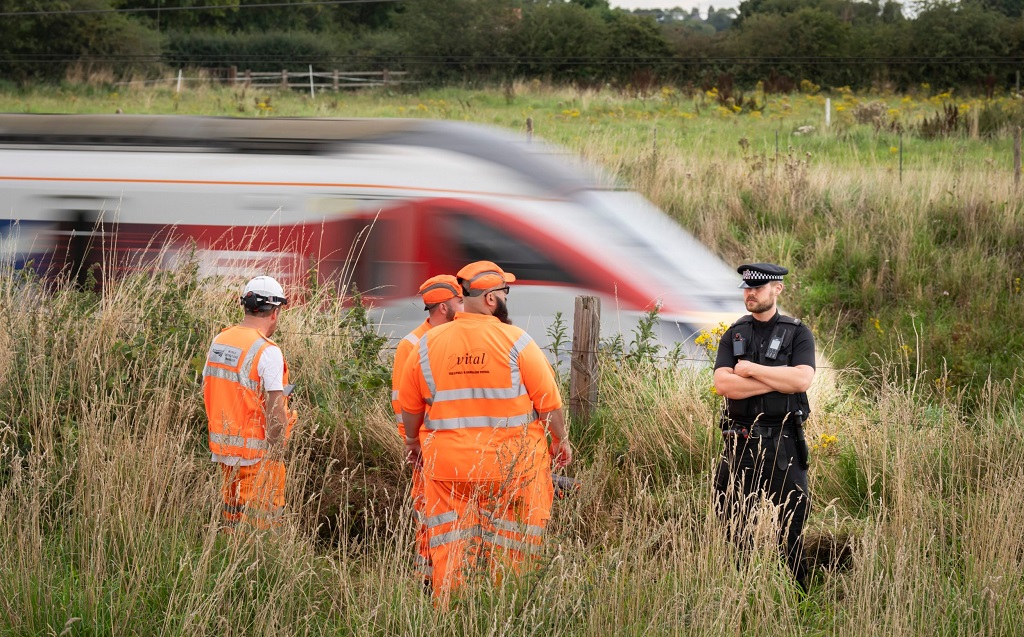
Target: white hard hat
[{"x": 261, "y": 291}]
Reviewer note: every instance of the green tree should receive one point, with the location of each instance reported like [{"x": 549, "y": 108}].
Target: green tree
[
  {"x": 948, "y": 39},
  {"x": 448, "y": 38},
  {"x": 44, "y": 45},
  {"x": 635, "y": 43},
  {"x": 810, "y": 34},
  {"x": 721, "y": 19},
  {"x": 562, "y": 39},
  {"x": 170, "y": 15}
]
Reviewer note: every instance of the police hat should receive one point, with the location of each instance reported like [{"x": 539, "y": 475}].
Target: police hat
[{"x": 757, "y": 274}]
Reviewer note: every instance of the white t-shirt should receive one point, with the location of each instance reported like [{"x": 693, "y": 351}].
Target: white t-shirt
[{"x": 271, "y": 371}]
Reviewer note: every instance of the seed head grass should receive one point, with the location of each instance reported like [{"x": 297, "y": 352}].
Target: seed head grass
[{"x": 111, "y": 504}]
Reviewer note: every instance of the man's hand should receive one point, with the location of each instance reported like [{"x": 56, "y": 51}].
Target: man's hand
[
  {"x": 554, "y": 424},
  {"x": 745, "y": 368},
  {"x": 561, "y": 454},
  {"x": 413, "y": 452}
]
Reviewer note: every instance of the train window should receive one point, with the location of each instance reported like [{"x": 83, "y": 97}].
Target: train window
[
  {"x": 478, "y": 241},
  {"x": 386, "y": 267}
]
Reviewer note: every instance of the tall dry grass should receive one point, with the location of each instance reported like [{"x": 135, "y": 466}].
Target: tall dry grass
[{"x": 111, "y": 503}]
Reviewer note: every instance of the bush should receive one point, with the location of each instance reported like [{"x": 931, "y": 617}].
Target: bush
[{"x": 261, "y": 52}]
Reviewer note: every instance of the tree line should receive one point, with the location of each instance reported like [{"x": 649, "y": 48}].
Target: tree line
[{"x": 975, "y": 45}]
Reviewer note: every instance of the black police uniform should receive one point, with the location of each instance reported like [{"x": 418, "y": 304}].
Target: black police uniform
[{"x": 765, "y": 451}]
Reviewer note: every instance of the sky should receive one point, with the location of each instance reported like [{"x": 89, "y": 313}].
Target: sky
[{"x": 670, "y": 4}]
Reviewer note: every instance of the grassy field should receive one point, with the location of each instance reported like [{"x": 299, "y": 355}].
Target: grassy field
[{"x": 110, "y": 503}]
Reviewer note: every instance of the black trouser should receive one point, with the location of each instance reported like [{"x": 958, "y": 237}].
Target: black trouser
[{"x": 753, "y": 467}]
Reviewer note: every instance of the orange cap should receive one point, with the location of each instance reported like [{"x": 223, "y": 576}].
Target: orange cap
[
  {"x": 439, "y": 289},
  {"x": 483, "y": 276}
]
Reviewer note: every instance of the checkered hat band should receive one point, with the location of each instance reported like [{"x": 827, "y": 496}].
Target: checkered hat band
[{"x": 754, "y": 275}]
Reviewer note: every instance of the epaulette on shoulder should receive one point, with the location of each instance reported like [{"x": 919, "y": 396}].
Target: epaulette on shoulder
[
  {"x": 746, "y": 318},
  {"x": 788, "y": 319}
]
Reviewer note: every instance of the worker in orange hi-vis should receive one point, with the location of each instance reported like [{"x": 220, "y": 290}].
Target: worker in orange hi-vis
[
  {"x": 478, "y": 401},
  {"x": 245, "y": 388},
  {"x": 442, "y": 298}
]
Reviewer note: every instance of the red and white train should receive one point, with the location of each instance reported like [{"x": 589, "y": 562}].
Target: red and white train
[{"x": 384, "y": 203}]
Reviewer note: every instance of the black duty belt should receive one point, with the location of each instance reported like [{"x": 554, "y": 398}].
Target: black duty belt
[{"x": 753, "y": 431}]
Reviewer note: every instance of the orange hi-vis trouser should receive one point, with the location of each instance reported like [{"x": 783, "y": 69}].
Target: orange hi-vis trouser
[
  {"x": 253, "y": 496},
  {"x": 474, "y": 526},
  {"x": 421, "y": 562},
  {"x": 406, "y": 347}
]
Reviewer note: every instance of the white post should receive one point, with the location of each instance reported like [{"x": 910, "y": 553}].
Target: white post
[
  {"x": 312, "y": 93},
  {"x": 178, "y": 90},
  {"x": 828, "y": 112}
]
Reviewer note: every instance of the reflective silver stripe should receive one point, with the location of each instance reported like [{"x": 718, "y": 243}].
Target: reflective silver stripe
[
  {"x": 398, "y": 419},
  {"x": 480, "y": 421},
  {"x": 428, "y": 376},
  {"x": 515, "y": 390},
  {"x": 394, "y": 394},
  {"x": 489, "y": 393},
  {"x": 509, "y": 543},
  {"x": 441, "y": 286},
  {"x": 422, "y": 566},
  {"x": 488, "y": 273},
  {"x": 246, "y": 369},
  {"x": 233, "y": 508},
  {"x": 513, "y": 359},
  {"x": 412, "y": 338},
  {"x": 238, "y": 441},
  {"x": 516, "y": 527},
  {"x": 228, "y": 375},
  {"x": 441, "y": 518},
  {"x": 455, "y": 536}
]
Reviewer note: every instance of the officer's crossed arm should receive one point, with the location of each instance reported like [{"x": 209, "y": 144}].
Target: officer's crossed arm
[
  {"x": 731, "y": 385},
  {"x": 748, "y": 379}
]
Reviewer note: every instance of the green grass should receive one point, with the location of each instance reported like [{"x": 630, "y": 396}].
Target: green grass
[{"x": 110, "y": 499}]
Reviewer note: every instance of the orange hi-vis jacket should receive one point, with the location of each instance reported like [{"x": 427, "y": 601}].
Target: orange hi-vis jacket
[
  {"x": 405, "y": 347},
  {"x": 235, "y": 400},
  {"x": 481, "y": 384}
]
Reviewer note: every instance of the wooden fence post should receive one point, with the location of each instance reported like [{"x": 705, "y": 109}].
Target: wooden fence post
[
  {"x": 232, "y": 75},
  {"x": 586, "y": 333},
  {"x": 248, "y": 78},
  {"x": 386, "y": 77},
  {"x": 529, "y": 129},
  {"x": 284, "y": 78},
  {"x": 335, "y": 81}
]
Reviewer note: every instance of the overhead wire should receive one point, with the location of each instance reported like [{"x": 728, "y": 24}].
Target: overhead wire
[
  {"x": 454, "y": 60},
  {"x": 166, "y": 9}
]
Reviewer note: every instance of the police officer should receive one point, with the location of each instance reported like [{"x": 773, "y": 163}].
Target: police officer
[{"x": 765, "y": 365}]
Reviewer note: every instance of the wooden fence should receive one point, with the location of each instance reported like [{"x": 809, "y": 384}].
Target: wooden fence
[
  {"x": 313, "y": 81},
  {"x": 316, "y": 80}
]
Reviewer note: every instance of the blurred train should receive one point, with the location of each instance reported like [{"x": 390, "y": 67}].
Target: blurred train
[{"x": 378, "y": 203}]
